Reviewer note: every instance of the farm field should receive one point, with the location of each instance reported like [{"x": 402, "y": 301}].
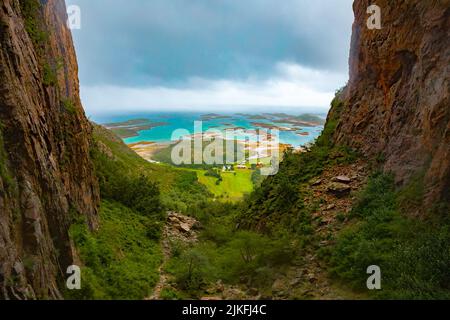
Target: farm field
[{"x": 232, "y": 187}]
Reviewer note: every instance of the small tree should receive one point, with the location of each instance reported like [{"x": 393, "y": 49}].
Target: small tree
[{"x": 192, "y": 269}]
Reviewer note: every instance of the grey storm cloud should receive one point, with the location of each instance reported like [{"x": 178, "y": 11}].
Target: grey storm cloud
[{"x": 137, "y": 43}]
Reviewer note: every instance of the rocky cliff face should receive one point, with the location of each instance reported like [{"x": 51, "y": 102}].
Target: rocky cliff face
[
  {"x": 46, "y": 177},
  {"x": 397, "y": 103}
]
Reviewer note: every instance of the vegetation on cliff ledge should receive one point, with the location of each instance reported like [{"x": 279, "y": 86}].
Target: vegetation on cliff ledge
[
  {"x": 280, "y": 198},
  {"x": 414, "y": 255},
  {"x": 31, "y": 10}
]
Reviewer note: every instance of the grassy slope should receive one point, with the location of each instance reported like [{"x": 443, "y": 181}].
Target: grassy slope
[
  {"x": 128, "y": 161},
  {"x": 179, "y": 187},
  {"x": 414, "y": 255},
  {"x": 378, "y": 233},
  {"x": 121, "y": 259},
  {"x": 232, "y": 188}
]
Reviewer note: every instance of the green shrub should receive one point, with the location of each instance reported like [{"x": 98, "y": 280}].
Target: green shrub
[
  {"x": 122, "y": 171},
  {"x": 153, "y": 229},
  {"x": 50, "y": 75},
  {"x": 414, "y": 256},
  {"x": 69, "y": 106},
  {"x": 5, "y": 173},
  {"x": 281, "y": 196},
  {"x": 170, "y": 294},
  {"x": 120, "y": 260},
  {"x": 192, "y": 269},
  {"x": 378, "y": 194},
  {"x": 31, "y": 11},
  {"x": 232, "y": 256},
  {"x": 136, "y": 192},
  {"x": 212, "y": 172},
  {"x": 257, "y": 178},
  {"x": 411, "y": 196}
]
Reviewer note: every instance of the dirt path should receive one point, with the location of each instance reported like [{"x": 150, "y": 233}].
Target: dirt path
[
  {"x": 178, "y": 227},
  {"x": 163, "y": 277},
  {"x": 332, "y": 194}
]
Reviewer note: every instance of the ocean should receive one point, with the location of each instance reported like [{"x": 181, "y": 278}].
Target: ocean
[{"x": 185, "y": 120}]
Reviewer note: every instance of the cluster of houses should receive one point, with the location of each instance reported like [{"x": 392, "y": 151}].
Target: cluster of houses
[{"x": 230, "y": 168}]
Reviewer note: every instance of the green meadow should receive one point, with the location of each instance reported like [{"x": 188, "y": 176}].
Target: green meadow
[{"x": 232, "y": 187}]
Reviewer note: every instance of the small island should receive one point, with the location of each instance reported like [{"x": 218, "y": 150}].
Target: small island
[{"x": 131, "y": 128}]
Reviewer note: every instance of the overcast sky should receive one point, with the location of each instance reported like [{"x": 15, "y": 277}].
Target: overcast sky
[{"x": 153, "y": 55}]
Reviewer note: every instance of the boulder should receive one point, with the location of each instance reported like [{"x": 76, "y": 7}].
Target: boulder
[
  {"x": 338, "y": 189},
  {"x": 342, "y": 179},
  {"x": 184, "y": 227}
]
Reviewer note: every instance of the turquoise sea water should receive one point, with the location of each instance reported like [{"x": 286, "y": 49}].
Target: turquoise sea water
[{"x": 178, "y": 120}]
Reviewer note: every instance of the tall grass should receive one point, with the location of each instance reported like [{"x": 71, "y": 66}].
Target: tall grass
[{"x": 414, "y": 255}]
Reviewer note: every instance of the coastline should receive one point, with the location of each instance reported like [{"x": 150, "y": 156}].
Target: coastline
[
  {"x": 151, "y": 133},
  {"x": 146, "y": 149}
]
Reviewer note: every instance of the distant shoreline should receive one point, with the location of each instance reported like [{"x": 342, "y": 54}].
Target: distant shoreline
[{"x": 294, "y": 130}]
